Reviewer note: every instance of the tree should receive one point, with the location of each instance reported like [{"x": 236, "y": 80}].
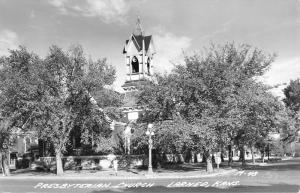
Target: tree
[
  {"x": 18, "y": 89},
  {"x": 223, "y": 73},
  {"x": 205, "y": 91},
  {"x": 292, "y": 95},
  {"x": 68, "y": 83},
  {"x": 172, "y": 136},
  {"x": 291, "y": 120},
  {"x": 261, "y": 110}
]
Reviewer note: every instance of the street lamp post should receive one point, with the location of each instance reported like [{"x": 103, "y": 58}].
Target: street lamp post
[
  {"x": 150, "y": 132},
  {"x": 269, "y": 141},
  {"x": 268, "y": 150}
]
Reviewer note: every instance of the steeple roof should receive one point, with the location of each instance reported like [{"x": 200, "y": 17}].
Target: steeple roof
[
  {"x": 138, "y": 42},
  {"x": 137, "y": 38},
  {"x": 138, "y": 28}
]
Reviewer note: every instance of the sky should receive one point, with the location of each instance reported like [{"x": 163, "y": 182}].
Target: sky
[{"x": 179, "y": 27}]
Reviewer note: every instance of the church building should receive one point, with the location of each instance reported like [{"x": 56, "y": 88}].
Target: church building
[{"x": 138, "y": 53}]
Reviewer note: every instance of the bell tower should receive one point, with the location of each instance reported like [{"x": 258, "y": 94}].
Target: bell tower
[{"x": 138, "y": 55}]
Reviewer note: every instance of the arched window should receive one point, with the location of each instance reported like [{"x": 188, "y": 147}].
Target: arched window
[
  {"x": 135, "y": 65},
  {"x": 148, "y": 65}
]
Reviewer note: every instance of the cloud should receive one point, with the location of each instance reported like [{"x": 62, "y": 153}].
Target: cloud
[
  {"x": 32, "y": 15},
  {"x": 108, "y": 11},
  {"x": 169, "y": 48},
  {"x": 8, "y": 40},
  {"x": 60, "y": 4},
  {"x": 221, "y": 30},
  {"x": 281, "y": 72}
]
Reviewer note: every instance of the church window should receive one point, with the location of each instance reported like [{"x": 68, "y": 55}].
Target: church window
[
  {"x": 148, "y": 66},
  {"x": 135, "y": 65}
]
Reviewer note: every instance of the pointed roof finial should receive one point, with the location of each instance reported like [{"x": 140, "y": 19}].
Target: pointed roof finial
[{"x": 138, "y": 29}]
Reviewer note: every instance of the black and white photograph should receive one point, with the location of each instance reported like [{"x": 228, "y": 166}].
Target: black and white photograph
[{"x": 156, "y": 96}]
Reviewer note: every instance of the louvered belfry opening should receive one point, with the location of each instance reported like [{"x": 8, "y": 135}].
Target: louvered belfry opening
[
  {"x": 135, "y": 65},
  {"x": 148, "y": 66}
]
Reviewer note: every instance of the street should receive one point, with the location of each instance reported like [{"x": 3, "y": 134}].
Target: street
[{"x": 283, "y": 176}]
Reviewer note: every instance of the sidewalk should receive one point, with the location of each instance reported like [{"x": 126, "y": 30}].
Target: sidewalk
[
  {"x": 178, "y": 172},
  {"x": 122, "y": 174}
]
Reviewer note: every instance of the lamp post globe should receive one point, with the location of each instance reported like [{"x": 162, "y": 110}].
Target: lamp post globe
[{"x": 150, "y": 126}]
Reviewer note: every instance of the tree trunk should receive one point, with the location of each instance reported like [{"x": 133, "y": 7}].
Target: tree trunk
[
  {"x": 203, "y": 158},
  {"x": 242, "y": 155},
  {"x": 263, "y": 157},
  {"x": 222, "y": 157},
  {"x": 5, "y": 163},
  {"x": 195, "y": 158},
  {"x": 59, "y": 166},
  {"x": 252, "y": 154},
  {"x": 188, "y": 156},
  {"x": 230, "y": 160},
  {"x": 208, "y": 157},
  {"x": 283, "y": 150}
]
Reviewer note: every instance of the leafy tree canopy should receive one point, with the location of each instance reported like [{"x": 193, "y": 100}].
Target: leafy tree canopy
[
  {"x": 292, "y": 95},
  {"x": 19, "y": 87}
]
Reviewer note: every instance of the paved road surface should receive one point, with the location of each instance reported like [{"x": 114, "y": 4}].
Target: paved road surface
[{"x": 281, "y": 177}]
